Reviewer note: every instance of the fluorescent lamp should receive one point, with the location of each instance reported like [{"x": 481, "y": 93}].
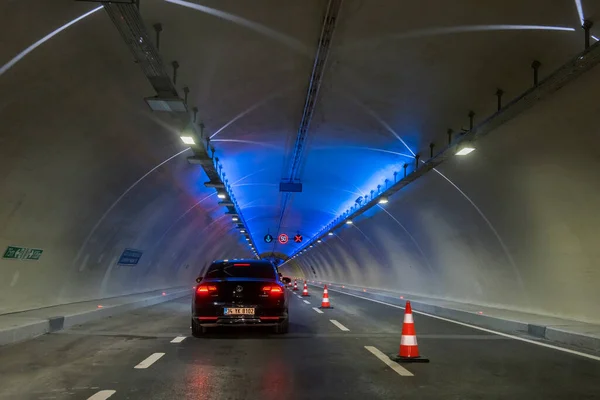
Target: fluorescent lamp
[
  {"x": 330, "y": 233},
  {"x": 221, "y": 195},
  {"x": 383, "y": 200},
  {"x": 349, "y": 222}
]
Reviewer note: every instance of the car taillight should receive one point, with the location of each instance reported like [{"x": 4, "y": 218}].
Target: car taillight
[
  {"x": 273, "y": 289},
  {"x": 206, "y": 289}
]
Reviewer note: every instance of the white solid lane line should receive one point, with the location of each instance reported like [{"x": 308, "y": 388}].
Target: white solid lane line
[
  {"x": 480, "y": 328},
  {"x": 307, "y": 302},
  {"x": 149, "y": 361},
  {"x": 102, "y": 395},
  {"x": 395, "y": 366},
  {"x": 317, "y": 310},
  {"x": 342, "y": 327},
  {"x": 178, "y": 339}
]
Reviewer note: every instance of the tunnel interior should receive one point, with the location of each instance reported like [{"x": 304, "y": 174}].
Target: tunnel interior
[{"x": 100, "y": 197}]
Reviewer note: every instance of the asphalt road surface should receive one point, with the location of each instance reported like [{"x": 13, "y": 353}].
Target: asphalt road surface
[{"x": 333, "y": 354}]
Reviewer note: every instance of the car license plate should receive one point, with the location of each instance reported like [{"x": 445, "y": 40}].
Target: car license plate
[{"x": 239, "y": 311}]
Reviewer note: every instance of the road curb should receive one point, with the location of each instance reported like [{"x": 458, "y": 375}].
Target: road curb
[{"x": 25, "y": 328}]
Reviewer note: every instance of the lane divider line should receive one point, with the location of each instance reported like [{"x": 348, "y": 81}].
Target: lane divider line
[
  {"x": 178, "y": 339},
  {"x": 149, "y": 361},
  {"x": 342, "y": 327},
  {"x": 579, "y": 353},
  {"x": 400, "y": 370},
  {"x": 317, "y": 310},
  {"x": 306, "y": 301},
  {"x": 102, "y": 395}
]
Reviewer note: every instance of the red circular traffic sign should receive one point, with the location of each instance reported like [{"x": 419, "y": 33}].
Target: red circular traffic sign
[{"x": 283, "y": 238}]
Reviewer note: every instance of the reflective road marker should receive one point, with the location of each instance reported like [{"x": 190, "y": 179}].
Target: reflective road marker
[
  {"x": 102, "y": 395},
  {"x": 342, "y": 327},
  {"x": 395, "y": 366},
  {"x": 149, "y": 361},
  {"x": 178, "y": 339}
]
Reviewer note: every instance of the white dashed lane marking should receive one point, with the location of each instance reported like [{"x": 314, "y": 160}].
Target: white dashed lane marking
[
  {"x": 178, "y": 339},
  {"x": 102, "y": 395},
  {"x": 149, "y": 361},
  {"x": 395, "y": 366},
  {"x": 593, "y": 357},
  {"x": 342, "y": 327},
  {"x": 317, "y": 310},
  {"x": 306, "y": 301}
]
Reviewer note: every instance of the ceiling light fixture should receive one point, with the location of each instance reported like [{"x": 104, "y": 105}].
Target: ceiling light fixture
[
  {"x": 349, "y": 222},
  {"x": 330, "y": 233},
  {"x": 235, "y": 219},
  {"x": 221, "y": 195},
  {"x": 319, "y": 241},
  {"x": 464, "y": 149},
  {"x": 242, "y": 231},
  {"x": 188, "y": 140},
  {"x": 383, "y": 200}
]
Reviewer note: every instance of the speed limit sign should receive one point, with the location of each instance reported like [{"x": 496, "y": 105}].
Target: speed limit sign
[{"x": 283, "y": 238}]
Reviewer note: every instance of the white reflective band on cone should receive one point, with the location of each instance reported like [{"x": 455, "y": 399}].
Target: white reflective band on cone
[
  {"x": 406, "y": 340},
  {"x": 408, "y": 319},
  {"x": 325, "y": 300}
]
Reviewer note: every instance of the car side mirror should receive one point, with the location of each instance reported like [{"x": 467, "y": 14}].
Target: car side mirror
[{"x": 198, "y": 279}]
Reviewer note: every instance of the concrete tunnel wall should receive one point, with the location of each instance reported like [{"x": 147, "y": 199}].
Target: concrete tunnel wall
[
  {"x": 526, "y": 238},
  {"x": 73, "y": 143}
]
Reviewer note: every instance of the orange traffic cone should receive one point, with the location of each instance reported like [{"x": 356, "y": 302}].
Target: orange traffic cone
[
  {"x": 295, "y": 285},
  {"x": 409, "y": 350},
  {"x": 305, "y": 290},
  {"x": 325, "y": 302}
]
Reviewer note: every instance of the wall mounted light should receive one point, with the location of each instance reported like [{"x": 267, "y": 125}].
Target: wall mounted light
[
  {"x": 319, "y": 241},
  {"x": 383, "y": 200},
  {"x": 330, "y": 234},
  {"x": 242, "y": 231},
  {"x": 221, "y": 195},
  {"x": 234, "y": 219},
  {"x": 349, "y": 222}
]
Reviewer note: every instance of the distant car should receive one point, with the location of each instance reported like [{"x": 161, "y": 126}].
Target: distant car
[
  {"x": 240, "y": 293},
  {"x": 286, "y": 280}
]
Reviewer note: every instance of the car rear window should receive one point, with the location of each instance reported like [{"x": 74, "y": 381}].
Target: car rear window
[{"x": 241, "y": 270}]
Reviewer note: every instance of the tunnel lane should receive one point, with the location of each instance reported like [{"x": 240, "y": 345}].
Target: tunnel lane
[{"x": 335, "y": 353}]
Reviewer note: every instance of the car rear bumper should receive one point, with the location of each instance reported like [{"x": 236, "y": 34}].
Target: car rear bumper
[{"x": 212, "y": 321}]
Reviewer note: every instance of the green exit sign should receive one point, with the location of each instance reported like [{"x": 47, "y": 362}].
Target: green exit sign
[{"x": 22, "y": 253}]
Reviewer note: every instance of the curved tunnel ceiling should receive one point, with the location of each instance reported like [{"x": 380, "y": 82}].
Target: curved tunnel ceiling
[{"x": 396, "y": 79}]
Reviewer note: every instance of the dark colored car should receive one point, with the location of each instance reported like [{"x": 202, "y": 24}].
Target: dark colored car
[
  {"x": 286, "y": 280},
  {"x": 240, "y": 293}
]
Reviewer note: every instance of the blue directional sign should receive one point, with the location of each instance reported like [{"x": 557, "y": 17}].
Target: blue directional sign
[
  {"x": 268, "y": 238},
  {"x": 130, "y": 257}
]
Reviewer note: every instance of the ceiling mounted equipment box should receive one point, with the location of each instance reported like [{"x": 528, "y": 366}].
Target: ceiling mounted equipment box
[
  {"x": 290, "y": 187},
  {"x": 166, "y": 104}
]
